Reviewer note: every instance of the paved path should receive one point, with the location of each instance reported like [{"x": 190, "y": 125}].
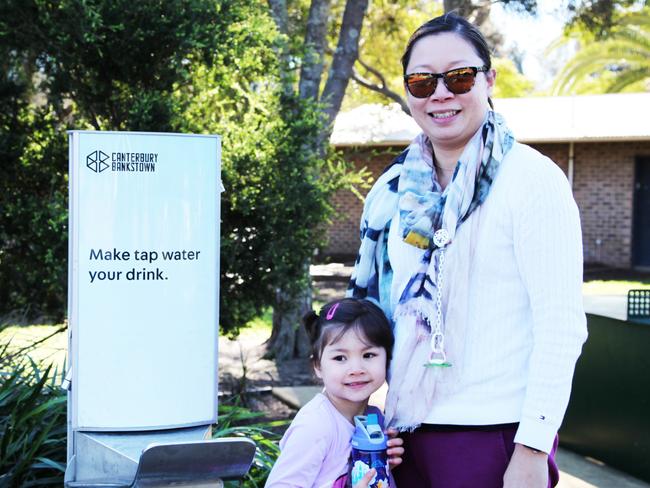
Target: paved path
[
  {"x": 614, "y": 306},
  {"x": 576, "y": 471}
]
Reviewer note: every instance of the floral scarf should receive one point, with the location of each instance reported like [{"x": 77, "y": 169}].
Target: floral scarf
[{"x": 410, "y": 186}]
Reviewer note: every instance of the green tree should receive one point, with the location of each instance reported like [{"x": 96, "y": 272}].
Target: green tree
[
  {"x": 181, "y": 65},
  {"x": 119, "y": 61},
  {"x": 619, "y": 62},
  {"x": 378, "y": 71},
  {"x": 510, "y": 82},
  {"x": 33, "y": 192},
  {"x": 77, "y": 64},
  {"x": 303, "y": 54},
  {"x": 479, "y": 11},
  {"x": 276, "y": 193},
  {"x": 387, "y": 27},
  {"x": 598, "y": 16}
]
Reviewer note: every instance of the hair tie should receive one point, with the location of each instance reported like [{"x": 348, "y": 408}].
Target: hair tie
[{"x": 332, "y": 311}]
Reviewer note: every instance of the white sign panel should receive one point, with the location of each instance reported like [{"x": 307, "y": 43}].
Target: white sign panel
[{"x": 144, "y": 277}]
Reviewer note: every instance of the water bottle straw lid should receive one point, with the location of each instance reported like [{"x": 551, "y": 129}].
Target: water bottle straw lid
[{"x": 368, "y": 435}]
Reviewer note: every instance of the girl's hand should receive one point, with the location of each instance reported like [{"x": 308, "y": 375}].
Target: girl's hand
[
  {"x": 395, "y": 450},
  {"x": 367, "y": 478},
  {"x": 526, "y": 468}
]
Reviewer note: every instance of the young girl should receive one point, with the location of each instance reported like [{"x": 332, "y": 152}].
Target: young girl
[{"x": 351, "y": 344}]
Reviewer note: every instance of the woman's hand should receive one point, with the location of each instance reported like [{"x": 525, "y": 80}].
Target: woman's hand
[
  {"x": 526, "y": 468},
  {"x": 367, "y": 478},
  {"x": 395, "y": 450}
]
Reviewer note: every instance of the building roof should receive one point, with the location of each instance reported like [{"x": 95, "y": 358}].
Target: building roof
[{"x": 586, "y": 118}]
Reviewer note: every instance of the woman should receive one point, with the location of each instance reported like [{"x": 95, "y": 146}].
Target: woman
[{"x": 471, "y": 242}]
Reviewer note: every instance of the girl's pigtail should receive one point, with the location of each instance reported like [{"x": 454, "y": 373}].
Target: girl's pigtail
[{"x": 310, "y": 321}]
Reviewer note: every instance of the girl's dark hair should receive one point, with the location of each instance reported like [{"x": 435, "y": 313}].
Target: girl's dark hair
[
  {"x": 339, "y": 316},
  {"x": 454, "y": 23}
]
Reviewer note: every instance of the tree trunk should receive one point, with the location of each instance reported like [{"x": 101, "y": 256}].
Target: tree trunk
[
  {"x": 462, "y": 7},
  {"x": 311, "y": 70},
  {"x": 281, "y": 19},
  {"x": 288, "y": 338},
  {"x": 381, "y": 87},
  {"x": 476, "y": 13},
  {"x": 346, "y": 54}
]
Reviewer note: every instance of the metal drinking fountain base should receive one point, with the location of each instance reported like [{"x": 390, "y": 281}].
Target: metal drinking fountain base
[{"x": 179, "y": 457}]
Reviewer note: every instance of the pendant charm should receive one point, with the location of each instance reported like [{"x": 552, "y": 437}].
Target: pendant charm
[
  {"x": 438, "y": 357},
  {"x": 441, "y": 238},
  {"x": 436, "y": 365},
  {"x": 436, "y": 360}
]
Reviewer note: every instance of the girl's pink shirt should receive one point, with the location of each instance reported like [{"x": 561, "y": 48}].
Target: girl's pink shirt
[{"x": 315, "y": 449}]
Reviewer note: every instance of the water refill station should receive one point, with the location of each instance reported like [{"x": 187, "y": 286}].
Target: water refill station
[{"x": 143, "y": 313}]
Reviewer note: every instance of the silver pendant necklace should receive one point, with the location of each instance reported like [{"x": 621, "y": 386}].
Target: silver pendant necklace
[{"x": 438, "y": 356}]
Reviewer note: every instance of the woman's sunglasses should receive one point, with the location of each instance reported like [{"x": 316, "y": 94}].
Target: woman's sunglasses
[{"x": 457, "y": 81}]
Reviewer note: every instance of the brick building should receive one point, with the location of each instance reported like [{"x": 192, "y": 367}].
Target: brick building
[{"x": 601, "y": 142}]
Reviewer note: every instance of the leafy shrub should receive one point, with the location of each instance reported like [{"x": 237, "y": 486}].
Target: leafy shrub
[
  {"x": 33, "y": 426},
  {"x": 33, "y": 214},
  {"x": 237, "y": 421},
  {"x": 32, "y": 423}
]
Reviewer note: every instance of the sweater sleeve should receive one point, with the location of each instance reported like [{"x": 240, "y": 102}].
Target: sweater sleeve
[
  {"x": 303, "y": 448},
  {"x": 548, "y": 252}
]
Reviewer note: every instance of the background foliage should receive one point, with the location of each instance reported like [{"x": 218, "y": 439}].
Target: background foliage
[
  {"x": 612, "y": 61},
  {"x": 387, "y": 28},
  {"x": 182, "y": 66}
]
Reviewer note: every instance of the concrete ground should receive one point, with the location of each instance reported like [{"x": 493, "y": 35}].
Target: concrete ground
[
  {"x": 614, "y": 306},
  {"x": 576, "y": 471}
]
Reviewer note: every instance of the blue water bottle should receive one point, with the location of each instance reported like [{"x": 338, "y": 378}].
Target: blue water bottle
[{"x": 369, "y": 451}]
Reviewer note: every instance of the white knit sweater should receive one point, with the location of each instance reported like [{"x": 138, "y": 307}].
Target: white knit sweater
[{"x": 526, "y": 323}]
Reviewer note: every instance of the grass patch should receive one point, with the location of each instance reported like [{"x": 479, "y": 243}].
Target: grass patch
[
  {"x": 260, "y": 326},
  {"x": 44, "y": 344}
]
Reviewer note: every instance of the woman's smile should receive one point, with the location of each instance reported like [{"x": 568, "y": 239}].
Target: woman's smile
[{"x": 443, "y": 115}]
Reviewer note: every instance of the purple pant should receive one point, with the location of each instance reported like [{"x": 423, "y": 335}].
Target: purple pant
[{"x": 460, "y": 457}]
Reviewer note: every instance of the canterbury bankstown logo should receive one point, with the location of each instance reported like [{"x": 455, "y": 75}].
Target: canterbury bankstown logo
[
  {"x": 138, "y": 162},
  {"x": 97, "y": 161}
]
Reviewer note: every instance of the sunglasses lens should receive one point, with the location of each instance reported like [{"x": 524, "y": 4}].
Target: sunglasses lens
[
  {"x": 457, "y": 81},
  {"x": 421, "y": 85},
  {"x": 460, "y": 81}
]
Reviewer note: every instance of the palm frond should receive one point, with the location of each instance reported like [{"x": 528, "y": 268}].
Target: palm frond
[
  {"x": 624, "y": 57},
  {"x": 628, "y": 78}
]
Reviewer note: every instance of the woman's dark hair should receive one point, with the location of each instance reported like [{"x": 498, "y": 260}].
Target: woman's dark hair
[
  {"x": 339, "y": 316},
  {"x": 454, "y": 23}
]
